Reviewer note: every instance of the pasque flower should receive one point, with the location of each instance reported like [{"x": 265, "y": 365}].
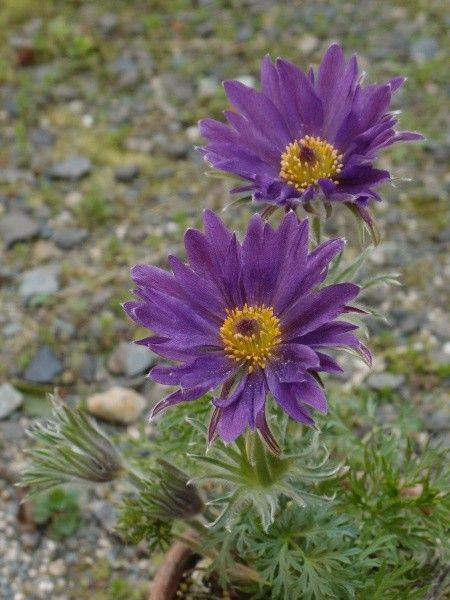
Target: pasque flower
[
  {"x": 305, "y": 136},
  {"x": 245, "y": 320}
]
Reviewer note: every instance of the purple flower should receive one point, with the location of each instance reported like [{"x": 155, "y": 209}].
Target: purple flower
[
  {"x": 305, "y": 136},
  {"x": 248, "y": 318}
]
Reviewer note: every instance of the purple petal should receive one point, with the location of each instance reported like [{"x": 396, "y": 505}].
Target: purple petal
[
  {"x": 284, "y": 394},
  {"x": 298, "y": 281},
  {"x": 318, "y": 308},
  {"x": 292, "y": 362},
  {"x": 302, "y": 105},
  {"x": 209, "y": 370},
  {"x": 259, "y": 110},
  {"x": 312, "y": 394},
  {"x": 328, "y": 364},
  {"x": 177, "y": 397},
  {"x": 256, "y": 141},
  {"x": 213, "y": 423},
  {"x": 266, "y": 434},
  {"x": 270, "y": 84}
]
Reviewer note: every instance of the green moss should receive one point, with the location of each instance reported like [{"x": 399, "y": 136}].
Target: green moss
[
  {"x": 95, "y": 209},
  {"x": 101, "y": 569}
]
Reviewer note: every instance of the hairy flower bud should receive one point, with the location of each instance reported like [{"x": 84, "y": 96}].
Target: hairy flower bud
[
  {"x": 70, "y": 447},
  {"x": 168, "y": 494}
]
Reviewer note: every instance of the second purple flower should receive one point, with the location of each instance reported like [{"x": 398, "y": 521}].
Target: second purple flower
[{"x": 305, "y": 135}]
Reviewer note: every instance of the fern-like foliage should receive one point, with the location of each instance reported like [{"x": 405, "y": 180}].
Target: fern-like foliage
[{"x": 135, "y": 524}]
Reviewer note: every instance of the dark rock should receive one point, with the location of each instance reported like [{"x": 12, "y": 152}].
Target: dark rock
[
  {"x": 45, "y": 231},
  {"x": 16, "y": 227},
  {"x": 44, "y": 367},
  {"x": 24, "y": 50},
  {"x": 10, "y": 399},
  {"x": 72, "y": 169},
  {"x": 206, "y": 29},
  {"x": 126, "y": 173},
  {"x": 6, "y": 275},
  {"x": 42, "y": 137},
  {"x": 69, "y": 238},
  {"x": 39, "y": 281},
  {"x": 382, "y": 381},
  {"x": 88, "y": 368},
  {"x": 126, "y": 69}
]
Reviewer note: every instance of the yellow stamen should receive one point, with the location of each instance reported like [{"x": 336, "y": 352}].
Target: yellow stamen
[
  {"x": 250, "y": 334},
  {"x": 305, "y": 161}
]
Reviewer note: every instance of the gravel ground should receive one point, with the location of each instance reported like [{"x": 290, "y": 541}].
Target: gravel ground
[{"x": 98, "y": 111}]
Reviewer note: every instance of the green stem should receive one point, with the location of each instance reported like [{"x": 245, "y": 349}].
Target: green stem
[
  {"x": 241, "y": 573},
  {"x": 317, "y": 229},
  {"x": 262, "y": 466}
]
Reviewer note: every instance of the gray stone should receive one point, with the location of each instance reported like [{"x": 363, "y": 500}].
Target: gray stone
[
  {"x": 69, "y": 238},
  {"x": 11, "y": 329},
  {"x": 424, "y": 49},
  {"x": 11, "y": 431},
  {"x": 44, "y": 367},
  {"x": 64, "y": 92},
  {"x": 105, "y": 513},
  {"x": 438, "y": 420},
  {"x": 176, "y": 149},
  {"x": 441, "y": 329},
  {"x": 63, "y": 329},
  {"x": 382, "y": 381},
  {"x": 207, "y": 87},
  {"x": 42, "y": 137},
  {"x": 72, "y": 169},
  {"x": 109, "y": 22},
  {"x": 10, "y": 400},
  {"x": 88, "y": 368},
  {"x": 130, "y": 359},
  {"x": 177, "y": 88},
  {"x": 387, "y": 413},
  {"x": 16, "y": 227},
  {"x": 126, "y": 173},
  {"x": 243, "y": 34},
  {"x": 205, "y": 29},
  {"x": 39, "y": 281},
  {"x": 126, "y": 70}
]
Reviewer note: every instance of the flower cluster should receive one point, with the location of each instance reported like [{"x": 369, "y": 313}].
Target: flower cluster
[{"x": 253, "y": 319}]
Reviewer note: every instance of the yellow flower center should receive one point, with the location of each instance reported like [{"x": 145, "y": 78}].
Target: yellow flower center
[
  {"x": 250, "y": 334},
  {"x": 305, "y": 161}
]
